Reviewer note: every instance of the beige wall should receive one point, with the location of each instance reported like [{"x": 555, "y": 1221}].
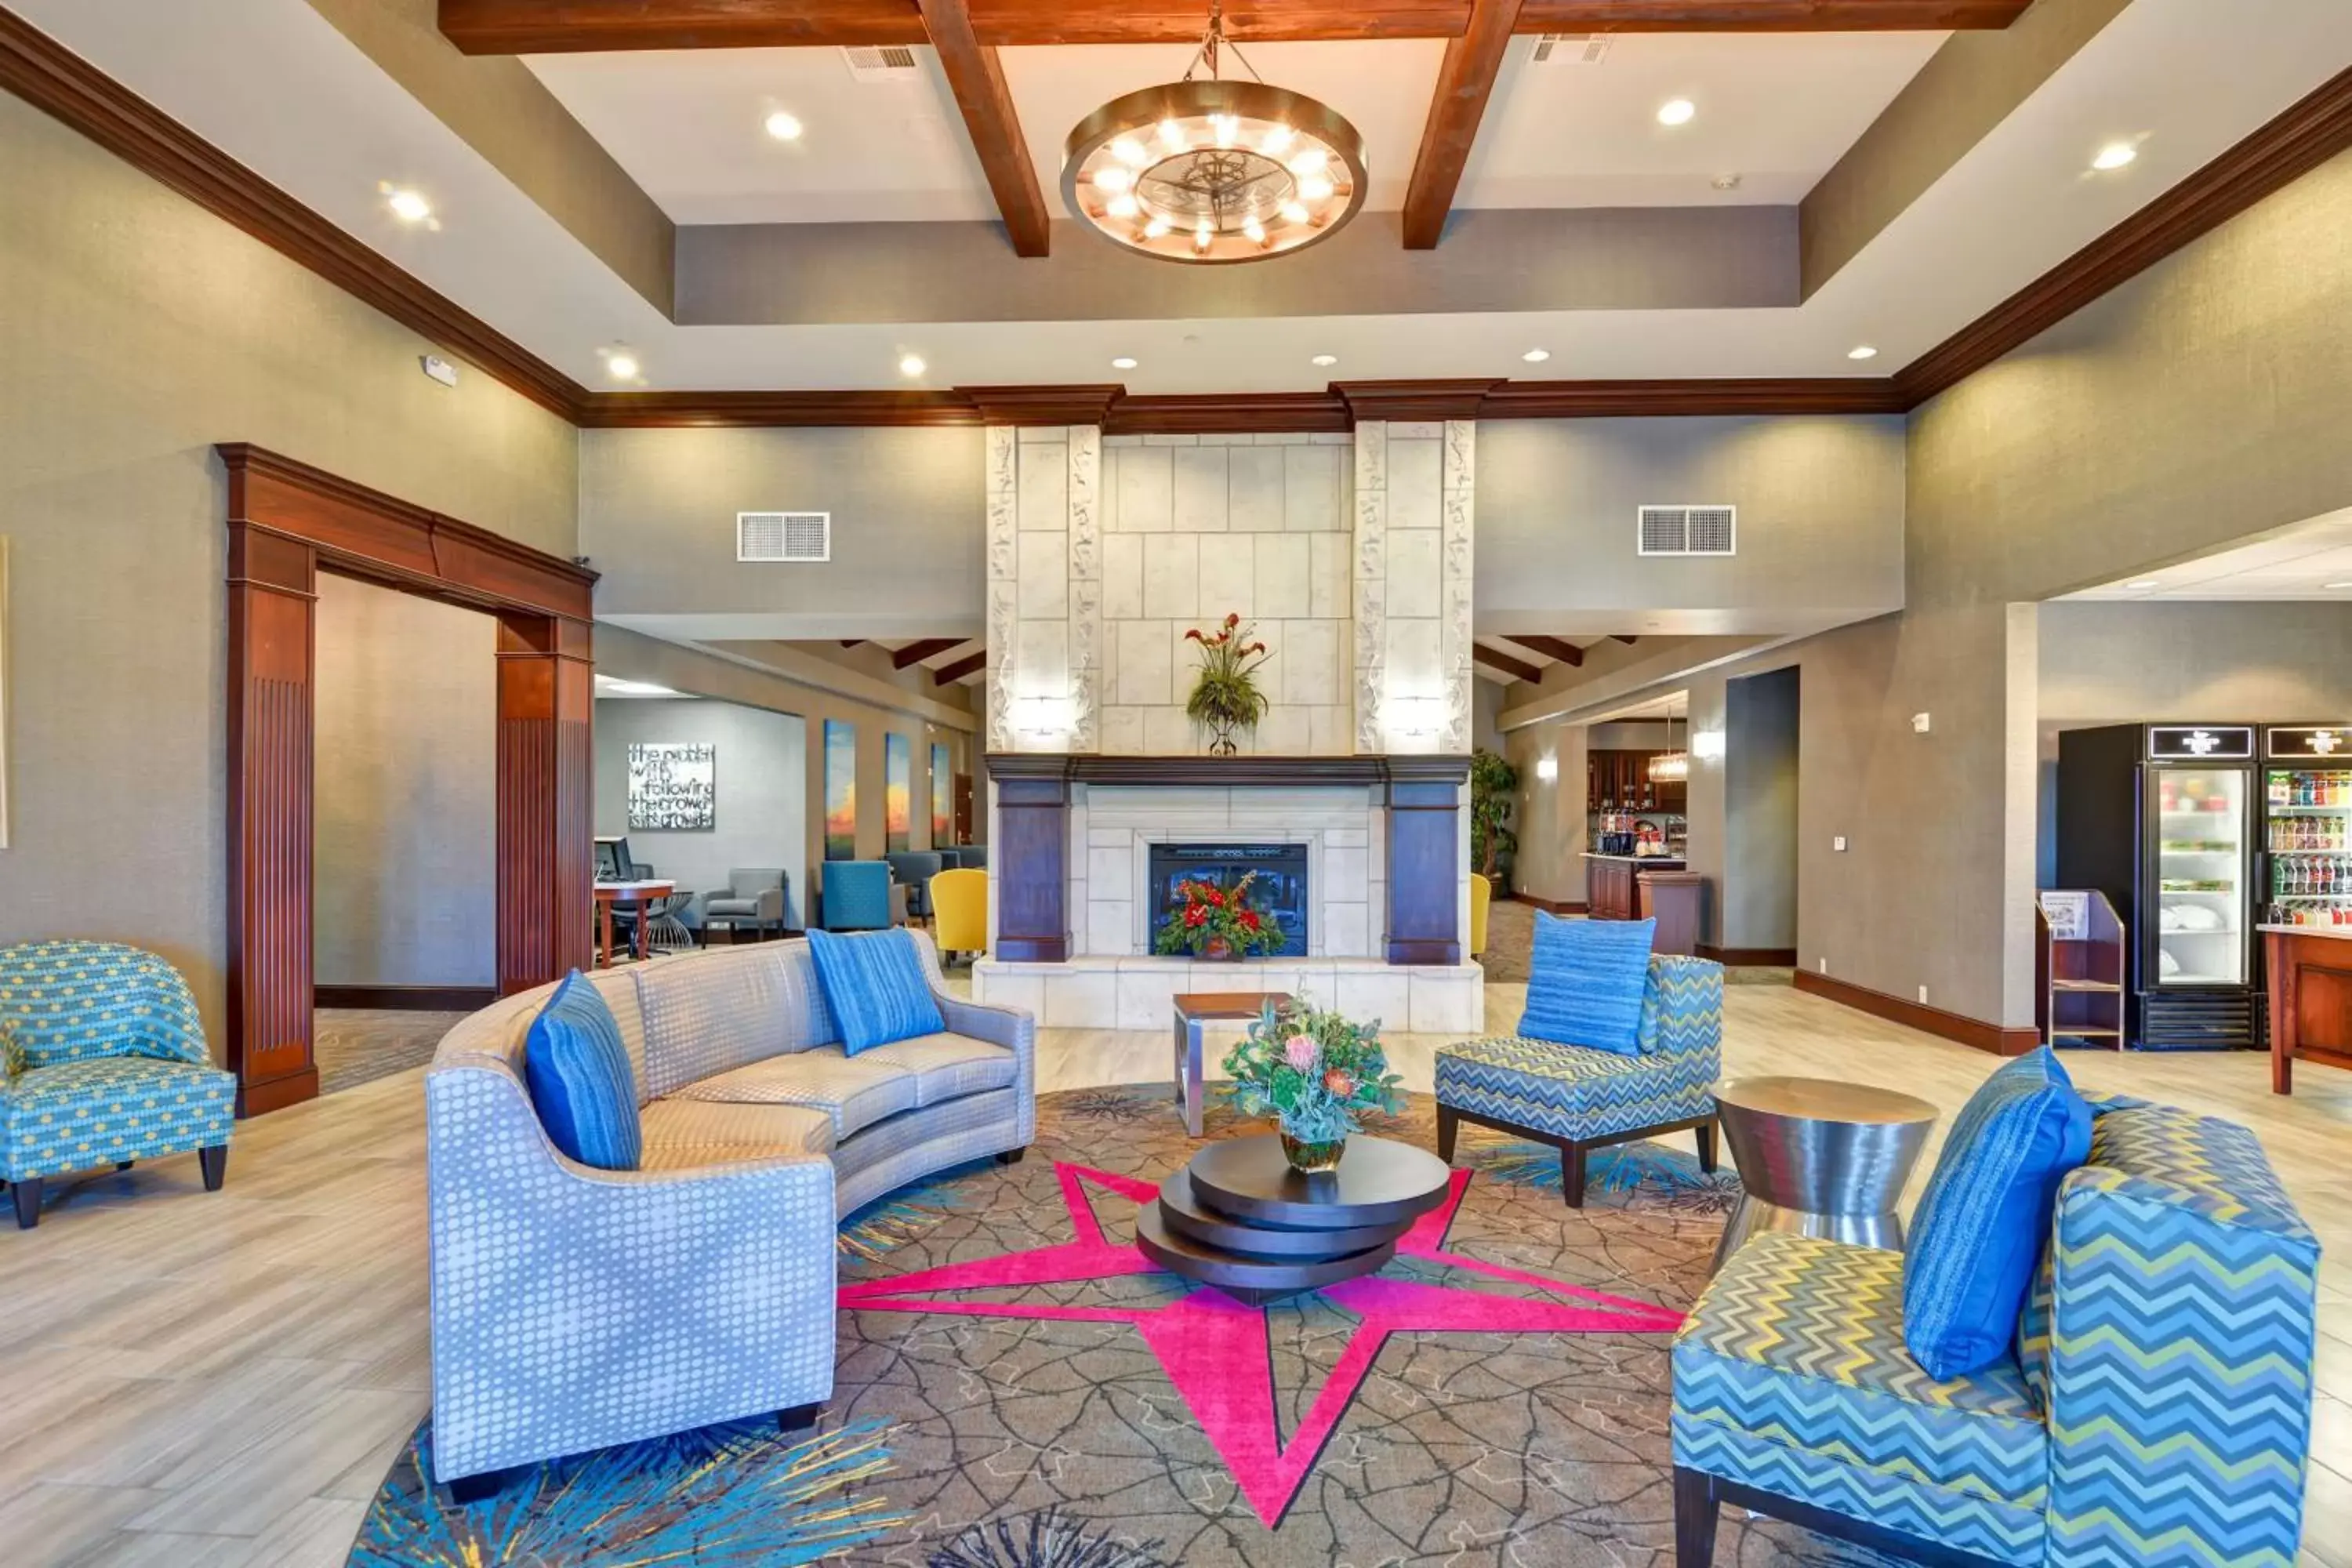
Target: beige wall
[
  {"x": 138, "y": 330},
  {"x": 406, "y": 867}
]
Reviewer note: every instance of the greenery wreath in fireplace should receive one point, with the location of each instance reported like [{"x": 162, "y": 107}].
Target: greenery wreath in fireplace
[
  {"x": 1213, "y": 921},
  {"x": 1225, "y": 697}
]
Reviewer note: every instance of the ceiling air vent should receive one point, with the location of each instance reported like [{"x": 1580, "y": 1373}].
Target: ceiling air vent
[
  {"x": 889, "y": 62},
  {"x": 783, "y": 536},
  {"x": 1688, "y": 531},
  {"x": 1569, "y": 49}
]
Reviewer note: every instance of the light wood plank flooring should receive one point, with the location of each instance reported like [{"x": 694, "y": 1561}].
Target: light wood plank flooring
[{"x": 200, "y": 1380}]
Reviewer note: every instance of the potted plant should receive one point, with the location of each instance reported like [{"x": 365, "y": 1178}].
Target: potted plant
[
  {"x": 1494, "y": 797},
  {"x": 1225, "y": 697},
  {"x": 1218, "y": 923},
  {"x": 1318, "y": 1075}
]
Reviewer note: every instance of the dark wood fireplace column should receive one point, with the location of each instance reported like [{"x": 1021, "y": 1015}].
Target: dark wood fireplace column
[{"x": 1422, "y": 797}]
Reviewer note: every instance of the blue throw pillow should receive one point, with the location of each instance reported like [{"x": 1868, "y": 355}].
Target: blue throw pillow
[
  {"x": 876, "y": 988},
  {"x": 1585, "y": 982},
  {"x": 580, "y": 1079},
  {"x": 1986, "y": 1216}
]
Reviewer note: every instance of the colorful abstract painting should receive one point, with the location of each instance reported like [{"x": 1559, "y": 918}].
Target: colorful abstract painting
[
  {"x": 840, "y": 790},
  {"x": 897, "y": 793},
  {"x": 942, "y": 795}
]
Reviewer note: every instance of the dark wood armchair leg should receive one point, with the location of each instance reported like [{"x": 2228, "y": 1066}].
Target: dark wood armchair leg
[
  {"x": 800, "y": 1418},
  {"x": 1449, "y": 1122},
  {"x": 1706, "y": 1147},
  {"x": 215, "y": 1163},
  {"x": 1572, "y": 1174},
  {"x": 1696, "y": 1512},
  {"x": 28, "y": 1202},
  {"x": 123, "y": 1164}
]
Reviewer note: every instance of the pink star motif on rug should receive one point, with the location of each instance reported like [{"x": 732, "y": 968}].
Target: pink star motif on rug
[{"x": 1214, "y": 1348}]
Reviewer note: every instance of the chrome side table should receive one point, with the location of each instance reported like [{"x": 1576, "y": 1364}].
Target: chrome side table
[{"x": 1819, "y": 1158}]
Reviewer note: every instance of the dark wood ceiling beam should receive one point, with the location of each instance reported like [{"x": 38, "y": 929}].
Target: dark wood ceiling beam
[
  {"x": 916, "y": 652},
  {"x": 1465, "y": 81},
  {"x": 978, "y": 81},
  {"x": 1567, "y": 652},
  {"x": 949, "y": 674},
  {"x": 1518, "y": 669},
  {"x": 557, "y": 26}
]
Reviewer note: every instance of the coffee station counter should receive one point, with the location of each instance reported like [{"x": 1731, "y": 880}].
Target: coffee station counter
[{"x": 1640, "y": 887}]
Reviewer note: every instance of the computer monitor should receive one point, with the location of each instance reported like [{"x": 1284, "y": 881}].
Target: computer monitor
[{"x": 612, "y": 862}]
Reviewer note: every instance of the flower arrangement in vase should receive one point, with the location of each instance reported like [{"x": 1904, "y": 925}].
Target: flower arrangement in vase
[
  {"x": 1217, "y": 922},
  {"x": 1318, "y": 1075},
  {"x": 1224, "y": 693}
]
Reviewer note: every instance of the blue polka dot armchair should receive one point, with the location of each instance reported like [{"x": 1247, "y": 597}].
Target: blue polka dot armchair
[{"x": 105, "y": 1065}]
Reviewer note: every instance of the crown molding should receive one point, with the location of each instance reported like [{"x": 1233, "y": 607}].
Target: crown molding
[{"x": 62, "y": 85}]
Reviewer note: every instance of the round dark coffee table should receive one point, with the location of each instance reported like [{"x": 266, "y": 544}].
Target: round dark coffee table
[{"x": 1238, "y": 1217}]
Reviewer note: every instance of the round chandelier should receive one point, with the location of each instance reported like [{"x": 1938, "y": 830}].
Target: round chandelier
[{"x": 1207, "y": 170}]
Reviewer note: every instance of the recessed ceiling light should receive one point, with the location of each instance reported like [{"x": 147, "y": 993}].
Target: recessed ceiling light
[
  {"x": 1726, "y": 182},
  {"x": 1862, "y": 351},
  {"x": 2142, "y": 583},
  {"x": 1324, "y": 360},
  {"x": 784, "y": 127},
  {"x": 2115, "y": 156},
  {"x": 620, "y": 687},
  {"x": 620, "y": 363},
  {"x": 408, "y": 205},
  {"x": 912, "y": 364},
  {"x": 1122, "y": 363},
  {"x": 1676, "y": 111},
  {"x": 2336, "y": 584},
  {"x": 1536, "y": 356}
]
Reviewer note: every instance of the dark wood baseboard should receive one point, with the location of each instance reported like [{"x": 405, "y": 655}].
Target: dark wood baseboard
[
  {"x": 1750, "y": 957},
  {"x": 1972, "y": 1032},
  {"x": 1552, "y": 906},
  {"x": 406, "y": 998}
]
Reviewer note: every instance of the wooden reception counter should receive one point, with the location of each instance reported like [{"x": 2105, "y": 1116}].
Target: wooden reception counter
[
  {"x": 1634, "y": 888},
  {"x": 2311, "y": 998}
]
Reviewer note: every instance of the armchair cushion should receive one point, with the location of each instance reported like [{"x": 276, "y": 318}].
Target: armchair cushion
[
  {"x": 684, "y": 1135},
  {"x": 580, "y": 1080},
  {"x": 82, "y": 1115},
  {"x": 1792, "y": 1376},
  {"x": 1585, "y": 982},
  {"x": 855, "y": 1094},
  {"x": 878, "y": 988},
  {"x": 1985, "y": 1217}
]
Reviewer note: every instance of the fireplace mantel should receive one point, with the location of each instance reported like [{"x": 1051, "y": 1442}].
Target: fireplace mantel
[
  {"x": 1091, "y": 769},
  {"x": 1415, "y": 799}
]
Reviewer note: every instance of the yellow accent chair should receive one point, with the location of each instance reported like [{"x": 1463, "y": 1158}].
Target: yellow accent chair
[
  {"x": 1482, "y": 893},
  {"x": 959, "y": 911}
]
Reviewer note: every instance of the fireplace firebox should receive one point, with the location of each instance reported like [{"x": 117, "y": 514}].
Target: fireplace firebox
[{"x": 1280, "y": 890}]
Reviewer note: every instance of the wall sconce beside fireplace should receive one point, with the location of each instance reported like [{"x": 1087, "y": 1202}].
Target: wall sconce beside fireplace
[
  {"x": 1414, "y": 718},
  {"x": 1042, "y": 718}
]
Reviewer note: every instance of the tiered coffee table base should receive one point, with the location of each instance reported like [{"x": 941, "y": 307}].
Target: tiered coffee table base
[{"x": 1238, "y": 1217}]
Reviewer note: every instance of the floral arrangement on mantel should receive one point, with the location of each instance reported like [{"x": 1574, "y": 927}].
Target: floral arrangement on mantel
[
  {"x": 1318, "y": 1075},
  {"x": 1225, "y": 697},
  {"x": 1218, "y": 923}
]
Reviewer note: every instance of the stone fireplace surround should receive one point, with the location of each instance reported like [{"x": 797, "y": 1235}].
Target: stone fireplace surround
[{"x": 1386, "y": 840}]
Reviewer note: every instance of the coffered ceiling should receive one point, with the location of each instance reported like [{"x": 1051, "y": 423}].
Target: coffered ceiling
[{"x": 1580, "y": 227}]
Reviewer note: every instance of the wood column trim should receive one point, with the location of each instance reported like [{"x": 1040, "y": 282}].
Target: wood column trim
[
  {"x": 1031, "y": 865},
  {"x": 1424, "y": 871},
  {"x": 546, "y": 833},
  {"x": 272, "y": 598}
]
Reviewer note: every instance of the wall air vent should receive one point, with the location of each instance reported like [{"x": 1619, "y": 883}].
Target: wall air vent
[
  {"x": 783, "y": 536},
  {"x": 888, "y": 62},
  {"x": 1569, "y": 49},
  {"x": 1688, "y": 531}
]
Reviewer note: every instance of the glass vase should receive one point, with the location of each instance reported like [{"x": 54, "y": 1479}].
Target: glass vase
[{"x": 1313, "y": 1159}]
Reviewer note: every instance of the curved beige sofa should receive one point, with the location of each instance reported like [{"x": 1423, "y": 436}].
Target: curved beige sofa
[{"x": 574, "y": 1309}]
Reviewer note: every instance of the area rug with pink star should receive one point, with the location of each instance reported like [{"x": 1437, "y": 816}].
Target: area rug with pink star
[{"x": 1018, "y": 1386}]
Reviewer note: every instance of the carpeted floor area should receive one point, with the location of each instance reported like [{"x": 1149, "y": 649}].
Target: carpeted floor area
[{"x": 1015, "y": 1387}]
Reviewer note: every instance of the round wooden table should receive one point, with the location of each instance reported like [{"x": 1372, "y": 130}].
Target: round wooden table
[
  {"x": 1238, "y": 1217},
  {"x": 638, "y": 896},
  {"x": 1819, "y": 1158}
]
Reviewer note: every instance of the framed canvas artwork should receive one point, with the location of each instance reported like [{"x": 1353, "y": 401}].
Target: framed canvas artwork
[
  {"x": 673, "y": 787},
  {"x": 897, "y": 793},
  {"x": 840, "y": 790},
  {"x": 942, "y": 795}
]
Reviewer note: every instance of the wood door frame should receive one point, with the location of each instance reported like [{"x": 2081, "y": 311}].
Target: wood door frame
[{"x": 287, "y": 523}]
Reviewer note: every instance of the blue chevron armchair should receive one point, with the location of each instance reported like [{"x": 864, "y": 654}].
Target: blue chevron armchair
[
  {"x": 106, "y": 1064},
  {"x": 1577, "y": 1098},
  {"x": 2157, "y": 1410}
]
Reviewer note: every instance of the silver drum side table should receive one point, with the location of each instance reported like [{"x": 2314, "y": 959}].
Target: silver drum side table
[{"x": 1819, "y": 1158}]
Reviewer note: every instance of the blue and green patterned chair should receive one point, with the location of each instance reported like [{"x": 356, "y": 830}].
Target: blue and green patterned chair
[
  {"x": 2156, "y": 1412},
  {"x": 106, "y": 1064},
  {"x": 1579, "y": 1099}
]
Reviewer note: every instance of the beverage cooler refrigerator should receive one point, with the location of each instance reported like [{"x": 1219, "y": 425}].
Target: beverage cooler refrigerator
[
  {"x": 2306, "y": 810},
  {"x": 2166, "y": 820}
]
